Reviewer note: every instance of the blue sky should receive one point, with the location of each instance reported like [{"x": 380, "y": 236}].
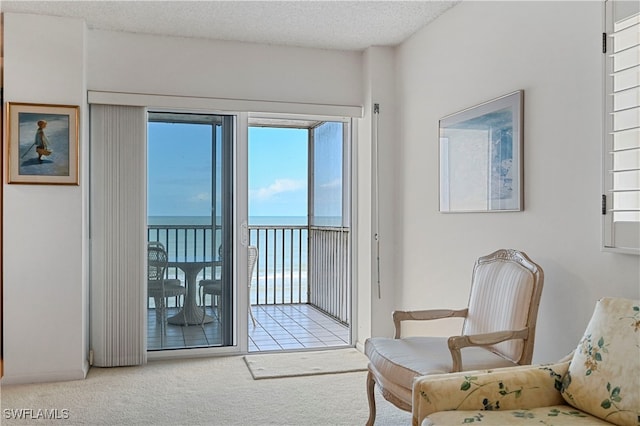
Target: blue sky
[
  {"x": 277, "y": 172},
  {"x": 179, "y": 171}
]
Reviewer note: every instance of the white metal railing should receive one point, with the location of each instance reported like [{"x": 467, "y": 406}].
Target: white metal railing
[
  {"x": 329, "y": 272},
  {"x": 285, "y": 274}
]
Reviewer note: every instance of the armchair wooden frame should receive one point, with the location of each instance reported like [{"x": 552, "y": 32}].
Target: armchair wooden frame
[{"x": 456, "y": 343}]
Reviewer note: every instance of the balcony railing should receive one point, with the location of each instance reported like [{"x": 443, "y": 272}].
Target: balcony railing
[
  {"x": 185, "y": 243},
  {"x": 329, "y": 271},
  {"x": 282, "y": 264},
  {"x": 284, "y": 272}
]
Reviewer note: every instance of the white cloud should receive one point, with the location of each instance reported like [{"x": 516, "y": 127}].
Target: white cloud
[
  {"x": 336, "y": 183},
  {"x": 278, "y": 187},
  {"x": 203, "y": 196}
]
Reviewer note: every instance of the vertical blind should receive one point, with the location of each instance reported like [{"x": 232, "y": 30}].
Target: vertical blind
[
  {"x": 622, "y": 139},
  {"x": 118, "y": 226}
]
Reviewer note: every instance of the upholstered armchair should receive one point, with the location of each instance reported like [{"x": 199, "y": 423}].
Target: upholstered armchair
[
  {"x": 598, "y": 383},
  {"x": 498, "y": 331}
]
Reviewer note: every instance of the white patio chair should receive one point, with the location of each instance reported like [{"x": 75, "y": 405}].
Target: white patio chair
[
  {"x": 213, "y": 287},
  {"x": 158, "y": 286}
]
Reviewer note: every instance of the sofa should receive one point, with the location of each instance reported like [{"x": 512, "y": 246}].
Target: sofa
[{"x": 598, "y": 383}]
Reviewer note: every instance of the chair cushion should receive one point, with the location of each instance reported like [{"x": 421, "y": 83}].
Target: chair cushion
[
  {"x": 172, "y": 282},
  {"x": 172, "y": 288},
  {"x": 604, "y": 375},
  {"x": 211, "y": 286},
  {"x": 500, "y": 298},
  {"x": 556, "y": 415},
  {"x": 399, "y": 361}
]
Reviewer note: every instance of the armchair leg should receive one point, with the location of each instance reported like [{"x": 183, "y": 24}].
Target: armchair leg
[{"x": 371, "y": 384}]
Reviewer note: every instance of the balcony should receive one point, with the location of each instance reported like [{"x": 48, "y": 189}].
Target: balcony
[{"x": 299, "y": 301}]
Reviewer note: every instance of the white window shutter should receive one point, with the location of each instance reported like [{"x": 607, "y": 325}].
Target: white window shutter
[{"x": 621, "y": 199}]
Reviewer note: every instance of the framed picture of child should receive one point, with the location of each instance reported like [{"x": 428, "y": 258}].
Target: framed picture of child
[{"x": 42, "y": 146}]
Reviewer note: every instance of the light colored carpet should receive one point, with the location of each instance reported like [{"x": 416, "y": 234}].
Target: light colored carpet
[
  {"x": 205, "y": 391},
  {"x": 269, "y": 366}
]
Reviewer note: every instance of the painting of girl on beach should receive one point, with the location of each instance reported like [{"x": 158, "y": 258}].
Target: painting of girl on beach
[{"x": 43, "y": 144}]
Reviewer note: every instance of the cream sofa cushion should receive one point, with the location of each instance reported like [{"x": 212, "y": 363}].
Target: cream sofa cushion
[{"x": 604, "y": 374}]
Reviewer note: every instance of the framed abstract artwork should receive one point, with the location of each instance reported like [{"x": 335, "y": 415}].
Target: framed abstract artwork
[
  {"x": 42, "y": 145},
  {"x": 481, "y": 164}
]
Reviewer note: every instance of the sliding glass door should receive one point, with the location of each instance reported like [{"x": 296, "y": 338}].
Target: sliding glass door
[
  {"x": 190, "y": 217},
  {"x": 197, "y": 181}
]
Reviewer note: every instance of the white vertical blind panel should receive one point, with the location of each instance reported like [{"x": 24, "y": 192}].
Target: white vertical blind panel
[{"x": 118, "y": 222}]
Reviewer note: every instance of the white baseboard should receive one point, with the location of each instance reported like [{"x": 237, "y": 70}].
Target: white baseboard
[{"x": 55, "y": 376}]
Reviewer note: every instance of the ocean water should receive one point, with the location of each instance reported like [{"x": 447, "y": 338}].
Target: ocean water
[{"x": 206, "y": 220}]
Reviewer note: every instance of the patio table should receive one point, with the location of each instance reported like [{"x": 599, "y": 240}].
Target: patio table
[{"x": 190, "y": 310}]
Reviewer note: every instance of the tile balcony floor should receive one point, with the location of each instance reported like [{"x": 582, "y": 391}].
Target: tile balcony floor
[{"x": 278, "y": 327}]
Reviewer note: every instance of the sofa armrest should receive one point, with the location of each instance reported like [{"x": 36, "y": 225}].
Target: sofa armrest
[{"x": 509, "y": 388}]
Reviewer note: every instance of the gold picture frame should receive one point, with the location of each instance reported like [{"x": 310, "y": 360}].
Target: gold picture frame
[{"x": 42, "y": 144}]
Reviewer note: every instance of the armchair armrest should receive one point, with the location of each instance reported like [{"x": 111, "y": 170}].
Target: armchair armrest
[
  {"x": 509, "y": 388},
  {"x": 486, "y": 339},
  {"x": 430, "y": 314}
]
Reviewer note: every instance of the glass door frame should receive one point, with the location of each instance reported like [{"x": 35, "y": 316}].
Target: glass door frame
[
  {"x": 349, "y": 137},
  {"x": 238, "y": 301}
]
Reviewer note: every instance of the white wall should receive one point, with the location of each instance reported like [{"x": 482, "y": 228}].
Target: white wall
[
  {"x": 45, "y": 228},
  {"x": 475, "y": 52},
  {"x": 139, "y": 63},
  {"x": 376, "y": 290}
]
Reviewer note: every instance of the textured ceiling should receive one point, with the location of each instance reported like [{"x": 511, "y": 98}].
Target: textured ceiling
[{"x": 329, "y": 24}]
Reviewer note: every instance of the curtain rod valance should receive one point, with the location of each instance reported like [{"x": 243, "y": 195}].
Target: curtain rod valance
[{"x": 221, "y": 104}]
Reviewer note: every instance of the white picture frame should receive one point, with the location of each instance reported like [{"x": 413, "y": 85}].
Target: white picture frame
[{"x": 481, "y": 163}]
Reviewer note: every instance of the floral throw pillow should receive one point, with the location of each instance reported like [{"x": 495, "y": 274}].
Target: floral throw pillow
[{"x": 604, "y": 375}]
